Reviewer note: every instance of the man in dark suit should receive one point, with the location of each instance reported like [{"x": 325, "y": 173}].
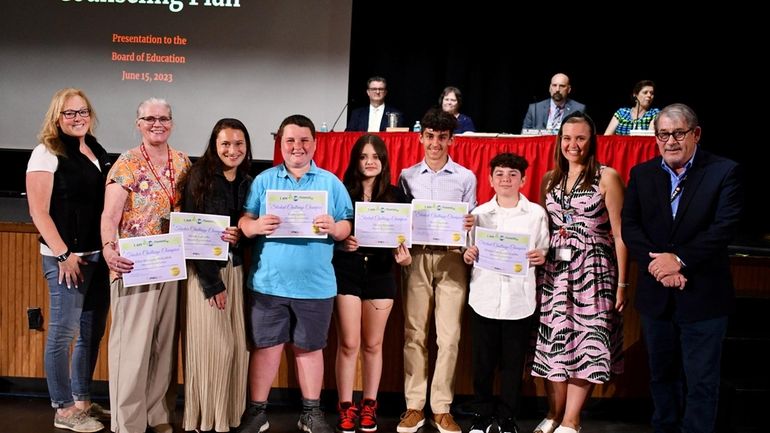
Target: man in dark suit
[
  {"x": 548, "y": 113},
  {"x": 374, "y": 117},
  {"x": 680, "y": 213}
]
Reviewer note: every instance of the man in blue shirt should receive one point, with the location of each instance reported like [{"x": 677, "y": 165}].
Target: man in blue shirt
[{"x": 292, "y": 279}]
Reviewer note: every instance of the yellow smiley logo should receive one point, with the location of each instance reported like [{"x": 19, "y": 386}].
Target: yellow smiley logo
[
  {"x": 517, "y": 267},
  {"x": 316, "y": 230},
  {"x": 217, "y": 251},
  {"x": 401, "y": 239},
  {"x": 456, "y": 237},
  {"x": 175, "y": 270}
]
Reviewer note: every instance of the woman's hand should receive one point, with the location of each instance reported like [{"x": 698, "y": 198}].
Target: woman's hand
[
  {"x": 231, "y": 235},
  {"x": 402, "y": 255},
  {"x": 115, "y": 261},
  {"x": 219, "y": 300},
  {"x": 350, "y": 244},
  {"x": 69, "y": 271},
  {"x": 536, "y": 257}
]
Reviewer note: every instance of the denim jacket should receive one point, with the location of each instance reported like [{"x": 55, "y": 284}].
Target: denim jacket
[{"x": 219, "y": 202}]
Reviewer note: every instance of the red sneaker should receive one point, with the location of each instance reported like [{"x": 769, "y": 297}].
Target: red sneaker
[
  {"x": 368, "y": 421},
  {"x": 348, "y": 417}
]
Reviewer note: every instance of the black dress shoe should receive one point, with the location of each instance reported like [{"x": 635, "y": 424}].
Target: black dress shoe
[{"x": 509, "y": 425}]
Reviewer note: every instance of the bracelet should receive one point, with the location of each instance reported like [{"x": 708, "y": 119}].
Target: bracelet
[
  {"x": 623, "y": 285},
  {"x": 110, "y": 243},
  {"x": 64, "y": 257}
]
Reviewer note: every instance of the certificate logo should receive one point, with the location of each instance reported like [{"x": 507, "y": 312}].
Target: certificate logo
[
  {"x": 175, "y": 270},
  {"x": 217, "y": 251},
  {"x": 401, "y": 239},
  {"x": 517, "y": 267},
  {"x": 455, "y": 236}
]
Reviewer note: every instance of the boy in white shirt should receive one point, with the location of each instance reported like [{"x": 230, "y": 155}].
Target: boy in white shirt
[{"x": 502, "y": 305}]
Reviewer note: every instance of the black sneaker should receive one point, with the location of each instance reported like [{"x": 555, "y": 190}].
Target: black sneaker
[
  {"x": 509, "y": 425},
  {"x": 254, "y": 419},
  {"x": 481, "y": 424},
  {"x": 313, "y": 421}
]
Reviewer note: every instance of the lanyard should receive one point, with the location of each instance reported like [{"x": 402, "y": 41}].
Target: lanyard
[
  {"x": 172, "y": 193},
  {"x": 566, "y": 204}
]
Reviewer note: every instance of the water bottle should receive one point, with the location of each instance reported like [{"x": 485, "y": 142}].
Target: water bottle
[
  {"x": 417, "y": 127},
  {"x": 324, "y": 127}
]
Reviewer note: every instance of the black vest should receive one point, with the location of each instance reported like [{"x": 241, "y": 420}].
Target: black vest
[{"x": 77, "y": 198}]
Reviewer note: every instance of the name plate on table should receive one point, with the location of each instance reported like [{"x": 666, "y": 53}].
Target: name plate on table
[
  {"x": 157, "y": 259},
  {"x": 642, "y": 132},
  {"x": 438, "y": 222}
]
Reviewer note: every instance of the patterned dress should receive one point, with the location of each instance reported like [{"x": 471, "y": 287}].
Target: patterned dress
[
  {"x": 626, "y": 120},
  {"x": 580, "y": 334}
]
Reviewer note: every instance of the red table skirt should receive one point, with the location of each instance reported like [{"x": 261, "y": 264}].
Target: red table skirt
[{"x": 474, "y": 153}]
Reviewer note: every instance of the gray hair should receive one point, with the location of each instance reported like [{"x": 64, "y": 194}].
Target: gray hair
[
  {"x": 152, "y": 101},
  {"x": 678, "y": 111}
]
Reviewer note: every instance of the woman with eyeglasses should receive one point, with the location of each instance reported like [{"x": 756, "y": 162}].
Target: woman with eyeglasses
[
  {"x": 640, "y": 116},
  {"x": 141, "y": 192},
  {"x": 581, "y": 286},
  {"x": 65, "y": 191}
]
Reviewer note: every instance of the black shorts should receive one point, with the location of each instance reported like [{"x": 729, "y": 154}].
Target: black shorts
[{"x": 368, "y": 276}]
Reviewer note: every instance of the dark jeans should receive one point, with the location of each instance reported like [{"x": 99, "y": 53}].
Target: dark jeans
[
  {"x": 502, "y": 343},
  {"x": 684, "y": 372},
  {"x": 80, "y": 311}
]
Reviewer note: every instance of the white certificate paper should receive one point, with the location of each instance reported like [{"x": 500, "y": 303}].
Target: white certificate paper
[
  {"x": 202, "y": 235},
  {"x": 157, "y": 259},
  {"x": 438, "y": 222},
  {"x": 385, "y": 225},
  {"x": 502, "y": 252},
  {"x": 297, "y": 210}
]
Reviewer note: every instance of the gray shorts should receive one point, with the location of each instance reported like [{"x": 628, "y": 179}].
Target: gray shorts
[{"x": 275, "y": 320}]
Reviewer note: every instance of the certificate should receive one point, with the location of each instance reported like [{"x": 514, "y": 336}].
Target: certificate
[
  {"x": 202, "y": 235},
  {"x": 502, "y": 252},
  {"x": 297, "y": 210},
  {"x": 438, "y": 222},
  {"x": 385, "y": 225},
  {"x": 157, "y": 259}
]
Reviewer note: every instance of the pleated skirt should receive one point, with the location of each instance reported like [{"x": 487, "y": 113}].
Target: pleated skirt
[{"x": 217, "y": 358}]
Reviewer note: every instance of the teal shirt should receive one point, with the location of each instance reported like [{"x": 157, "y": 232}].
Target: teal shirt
[{"x": 298, "y": 268}]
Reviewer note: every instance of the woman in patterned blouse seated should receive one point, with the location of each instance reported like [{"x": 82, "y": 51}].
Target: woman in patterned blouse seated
[{"x": 640, "y": 116}]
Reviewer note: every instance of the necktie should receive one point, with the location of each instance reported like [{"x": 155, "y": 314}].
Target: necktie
[{"x": 555, "y": 121}]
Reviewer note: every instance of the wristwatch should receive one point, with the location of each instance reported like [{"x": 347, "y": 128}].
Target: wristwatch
[
  {"x": 678, "y": 260},
  {"x": 64, "y": 257}
]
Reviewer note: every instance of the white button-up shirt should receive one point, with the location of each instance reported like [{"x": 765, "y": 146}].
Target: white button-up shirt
[{"x": 504, "y": 297}]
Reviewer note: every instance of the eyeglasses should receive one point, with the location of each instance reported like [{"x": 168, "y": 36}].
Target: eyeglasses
[
  {"x": 165, "y": 121},
  {"x": 678, "y": 135},
  {"x": 377, "y": 89},
  {"x": 70, "y": 114}
]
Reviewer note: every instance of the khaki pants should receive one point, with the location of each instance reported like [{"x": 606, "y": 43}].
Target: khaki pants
[
  {"x": 141, "y": 355},
  {"x": 436, "y": 284}
]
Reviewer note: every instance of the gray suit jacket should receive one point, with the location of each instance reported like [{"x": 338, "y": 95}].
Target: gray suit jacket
[{"x": 537, "y": 113}]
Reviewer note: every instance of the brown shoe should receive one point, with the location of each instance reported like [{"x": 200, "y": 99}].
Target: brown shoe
[
  {"x": 411, "y": 421},
  {"x": 445, "y": 423}
]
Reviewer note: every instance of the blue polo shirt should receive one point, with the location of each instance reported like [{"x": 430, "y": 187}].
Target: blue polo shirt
[{"x": 298, "y": 268}]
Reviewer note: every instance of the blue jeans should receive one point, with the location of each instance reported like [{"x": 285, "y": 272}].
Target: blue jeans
[
  {"x": 684, "y": 372},
  {"x": 82, "y": 309}
]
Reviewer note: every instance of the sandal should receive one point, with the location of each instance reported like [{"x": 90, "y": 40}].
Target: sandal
[
  {"x": 563, "y": 429},
  {"x": 546, "y": 426}
]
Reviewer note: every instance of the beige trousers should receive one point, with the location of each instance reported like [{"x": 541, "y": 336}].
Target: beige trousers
[
  {"x": 141, "y": 355},
  {"x": 216, "y": 360},
  {"x": 436, "y": 284}
]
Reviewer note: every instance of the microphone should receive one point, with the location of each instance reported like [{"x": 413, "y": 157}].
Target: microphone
[{"x": 340, "y": 115}]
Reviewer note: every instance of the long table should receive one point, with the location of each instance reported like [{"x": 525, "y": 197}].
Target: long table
[{"x": 404, "y": 150}]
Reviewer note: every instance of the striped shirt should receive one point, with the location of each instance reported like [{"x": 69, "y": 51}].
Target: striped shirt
[{"x": 453, "y": 182}]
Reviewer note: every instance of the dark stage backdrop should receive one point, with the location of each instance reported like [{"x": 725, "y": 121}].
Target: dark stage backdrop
[{"x": 503, "y": 61}]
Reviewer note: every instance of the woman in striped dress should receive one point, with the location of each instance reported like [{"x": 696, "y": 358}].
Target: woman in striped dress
[{"x": 581, "y": 286}]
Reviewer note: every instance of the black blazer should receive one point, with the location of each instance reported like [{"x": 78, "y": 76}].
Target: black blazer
[
  {"x": 359, "y": 119},
  {"x": 706, "y": 221}
]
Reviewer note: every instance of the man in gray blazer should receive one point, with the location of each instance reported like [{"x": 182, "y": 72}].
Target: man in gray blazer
[{"x": 548, "y": 113}]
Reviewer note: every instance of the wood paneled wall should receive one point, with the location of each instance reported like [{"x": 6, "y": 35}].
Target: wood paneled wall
[{"x": 21, "y": 349}]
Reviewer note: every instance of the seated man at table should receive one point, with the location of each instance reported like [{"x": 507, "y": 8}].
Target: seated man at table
[
  {"x": 436, "y": 280},
  {"x": 374, "y": 117},
  {"x": 548, "y": 113}
]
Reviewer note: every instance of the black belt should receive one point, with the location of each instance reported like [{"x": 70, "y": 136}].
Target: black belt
[{"x": 436, "y": 247}]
